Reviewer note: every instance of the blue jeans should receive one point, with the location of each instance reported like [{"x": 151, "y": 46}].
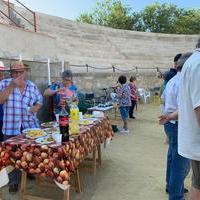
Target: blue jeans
[
  {"x": 124, "y": 111},
  {"x": 177, "y": 166}
]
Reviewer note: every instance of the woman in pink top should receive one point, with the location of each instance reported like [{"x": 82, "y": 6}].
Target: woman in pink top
[{"x": 134, "y": 97}]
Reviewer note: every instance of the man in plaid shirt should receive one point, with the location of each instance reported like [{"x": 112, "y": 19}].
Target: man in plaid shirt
[{"x": 21, "y": 100}]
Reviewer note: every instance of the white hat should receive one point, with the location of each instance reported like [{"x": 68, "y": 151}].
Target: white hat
[{"x": 2, "y": 66}]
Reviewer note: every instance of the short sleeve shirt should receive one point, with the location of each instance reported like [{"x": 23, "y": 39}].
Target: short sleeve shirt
[
  {"x": 15, "y": 108},
  {"x": 189, "y": 99},
  {"x": 124, "y": 95}
]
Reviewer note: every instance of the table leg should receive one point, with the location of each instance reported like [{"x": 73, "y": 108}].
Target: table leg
[
  {"x": 94, "y": 157},
  {"x": 99, "y": 154},
  {"x": 66, "y": 194},
  {"x": 77, "y": 181},
  {"x": 23, "y": 185}
]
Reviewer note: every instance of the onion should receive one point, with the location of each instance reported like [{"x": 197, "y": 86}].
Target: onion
[
  {"x": 25, "y": 153},
  {"x": 36, "y": 152},
  {"x": 59, "y": 179},
  {"x": 44, "y": 155},
  {"x": 24, "y": 164},
  {"x": 45, "y": 148},
  {"x": 41, "y": 166},
  {"x": 56, "y": 170},
  {"x": 46, "y": 161},
  {"x": 31, "y": 165},
  {"x": 37, "y": 171},
  {"x": 29, "y": 157},
  {"x": 31, "y": 171},
  {"x": 64, "y": 174},
  {"x": 61, "y": 164},
  {"x": 66, "y": 183},
  {"x": 18, "y": 154}
]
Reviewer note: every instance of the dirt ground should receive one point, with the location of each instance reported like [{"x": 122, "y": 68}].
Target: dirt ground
[{"x": 133, "y": 165}]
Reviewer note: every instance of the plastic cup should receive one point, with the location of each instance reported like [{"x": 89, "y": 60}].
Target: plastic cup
[
  {"x": 57, "y": 137},
  {"x": 80, "y": 115},
  {"x": 57, "y": 117}
]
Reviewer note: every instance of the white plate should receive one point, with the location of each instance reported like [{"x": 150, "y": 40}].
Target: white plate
[
  {"x": 85, "y": 122},
  {"x": 41, "y": 140},
  {"x": 52, "y": 130},
  {"x": 32, "y": 129},
  {"x": 49, "y": 124}
]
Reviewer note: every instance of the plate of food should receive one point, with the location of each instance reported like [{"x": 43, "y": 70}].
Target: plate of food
[
  {"x": 52, "y": 130},
  {"x": 87, "y": 116},
  {"x": 85, "y": 122},
  {"x": 45, "y": 140},
  {"x": 49, "y": 124},
  {"x": 34, "y": 133}
]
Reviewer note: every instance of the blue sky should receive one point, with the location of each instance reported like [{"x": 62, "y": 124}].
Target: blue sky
[{"x": 70, "y": 9}]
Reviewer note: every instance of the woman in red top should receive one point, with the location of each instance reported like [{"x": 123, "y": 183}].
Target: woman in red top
[{"x": 134, "y": 97}]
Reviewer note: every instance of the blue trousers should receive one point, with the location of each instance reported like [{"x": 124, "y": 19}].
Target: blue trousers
[{"x": 177, "y": 166}]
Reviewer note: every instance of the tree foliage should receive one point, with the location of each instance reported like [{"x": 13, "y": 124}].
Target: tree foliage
[
  {"x": 111, "y": 13},
  {"x": 159, "y": 18}
]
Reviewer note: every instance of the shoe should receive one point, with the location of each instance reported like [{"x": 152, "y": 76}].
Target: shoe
[
  {"x": 13, "y": 188},
  {"x": 132, "y": 117},
  {"x": 185, "y": 190},
  {"x": 124, "y": 131}
]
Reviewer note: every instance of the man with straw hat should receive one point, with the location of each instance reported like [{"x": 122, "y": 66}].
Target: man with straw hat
[
  {"x": 2, "y": 72},
  {"x": 21, "y": 101}
]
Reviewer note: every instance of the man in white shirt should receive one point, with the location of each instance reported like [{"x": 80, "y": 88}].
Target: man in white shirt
[
  {"x": 189, "y": 117},
  {"x": 177, "y": 166}
]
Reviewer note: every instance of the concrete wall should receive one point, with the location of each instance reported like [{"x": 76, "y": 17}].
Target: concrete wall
[
  {"x": 100, "y": 46},
  {"x": 17, "y": 41},
  {"x": 95, "y": 45}
]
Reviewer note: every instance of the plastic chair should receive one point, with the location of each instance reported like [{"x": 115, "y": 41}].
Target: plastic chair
[{"x": 144, "y": 94}]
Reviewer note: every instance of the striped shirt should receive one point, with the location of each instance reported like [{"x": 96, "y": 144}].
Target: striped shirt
[{"x": 15, "y": 108}]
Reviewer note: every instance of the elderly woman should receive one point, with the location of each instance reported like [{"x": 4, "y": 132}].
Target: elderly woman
[{"x": 62, "y": 91}]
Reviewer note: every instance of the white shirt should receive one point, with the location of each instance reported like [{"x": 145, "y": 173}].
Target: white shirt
[
  {"x": 170, "y": 95},
  {"x": 189, "y": 99}
]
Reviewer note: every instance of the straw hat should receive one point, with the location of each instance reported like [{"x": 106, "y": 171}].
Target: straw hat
[
  {"x": 18, "y": 65},
  {"x": 2, "y": 66}
]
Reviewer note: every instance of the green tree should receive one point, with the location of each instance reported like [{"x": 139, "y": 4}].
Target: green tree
[
  {"x": 111, "y": 13},
  {"x": 188, "y": 23},
  {"x": 167, "y": 18},
  {"x": 160, "y": 18}
]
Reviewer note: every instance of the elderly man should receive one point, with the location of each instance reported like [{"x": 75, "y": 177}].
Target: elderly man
[
  {"x": 2, "y": 72},
  {"x": 21, "y": 101},
  {"x": 177, "y": 165}
]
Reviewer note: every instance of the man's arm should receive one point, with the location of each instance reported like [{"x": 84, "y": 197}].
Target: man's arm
[
  {"x": 163, "y": 119},
  {"x": 6, "y": 92},
  {"x": 49, "y": 92},
  {"x": 17, "y": 82},
  {"x": 34, "y": 109}
]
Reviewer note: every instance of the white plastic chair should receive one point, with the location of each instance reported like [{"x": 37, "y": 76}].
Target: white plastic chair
[{"x": 144, "y": 94}]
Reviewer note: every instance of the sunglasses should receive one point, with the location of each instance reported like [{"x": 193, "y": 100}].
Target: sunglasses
[{"x": 67, "y": 79}]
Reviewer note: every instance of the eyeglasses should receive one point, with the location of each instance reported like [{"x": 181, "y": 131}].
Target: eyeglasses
[
  {"x": 17, "y": 72},
  {"x": 67, "y": 79}
]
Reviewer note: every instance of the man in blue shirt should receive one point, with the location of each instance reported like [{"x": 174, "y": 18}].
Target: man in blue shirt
[{"x": 2, "y": 72}]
